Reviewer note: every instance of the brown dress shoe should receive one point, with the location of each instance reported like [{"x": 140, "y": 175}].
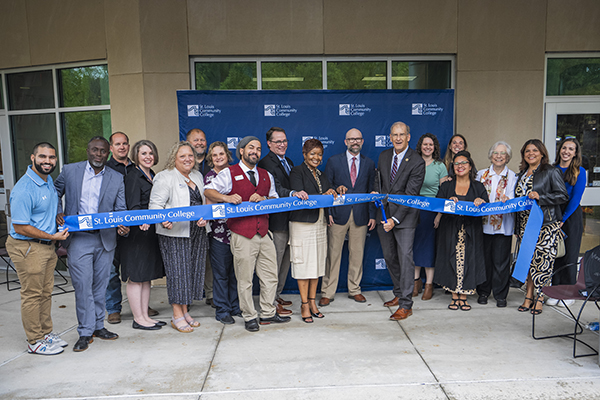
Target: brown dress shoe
[
  {"x": 324, "y": 301},
  {"x": 400, "y": 314},
  {"x": 418, "y": 287},
  {"x": 114, "y": 318},
  {"x": 282, "y": 311},
  {"x": 283, "y": 302},
  {"x": 359, "y": 298},
  {"x": 427, "y": 292},
  {"x": 152, "y": 312},
  {"x": 391, "y": 303}
]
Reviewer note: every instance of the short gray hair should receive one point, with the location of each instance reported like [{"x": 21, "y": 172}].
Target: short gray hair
[
  {"x": 400, "y": 124},
  {"x": 508, "y": 150}
]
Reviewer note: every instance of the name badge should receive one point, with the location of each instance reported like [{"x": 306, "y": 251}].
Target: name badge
[{"x": 239, "y": 177}]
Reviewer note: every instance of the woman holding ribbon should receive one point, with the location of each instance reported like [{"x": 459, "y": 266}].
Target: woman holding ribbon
[
  {"x": 141, "y": 261},
  {"x": 457, "y": 143},
  {"x": 308, "y": 228},
  {"x": 568, "y": 160},
  {"x": 184, "y": 244},
  {"x": 460, "y": 238},
  {"x": 225, "y": 295},
  {"x": 540, "y": 181},
  {"x": 499, "y": 181},
  {"x": 428, "y": 147}
]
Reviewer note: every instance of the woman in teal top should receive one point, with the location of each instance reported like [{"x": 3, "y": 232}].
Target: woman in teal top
[{"x": 424, "y": 243}]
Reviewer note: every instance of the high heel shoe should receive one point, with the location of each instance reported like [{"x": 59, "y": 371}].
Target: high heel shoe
[
  {"x": 418, "y": 287},
  {"x": 523, "y": 308},
  {"x": 317, "y": 314},
  {"x": 308, "y": 319}
]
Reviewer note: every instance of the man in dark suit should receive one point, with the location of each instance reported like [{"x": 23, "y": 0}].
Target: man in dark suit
[
  {"x": 279, "y": 166},
  {"x": 89, "y": 187},
  {"x": 400, "y": 171},
  {"x": 356, "y": 174}
]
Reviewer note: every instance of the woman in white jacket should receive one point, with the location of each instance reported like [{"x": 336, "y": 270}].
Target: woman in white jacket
[{"x": 183, "y": 245}]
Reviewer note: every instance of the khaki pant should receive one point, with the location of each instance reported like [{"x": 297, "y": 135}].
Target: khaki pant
[
  {"x": 35, "y": 265},
  {"x": 250, "y": 255},
  {"x": 356, "y": 247}
]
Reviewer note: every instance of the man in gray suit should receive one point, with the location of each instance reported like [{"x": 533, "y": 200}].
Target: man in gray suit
[
  {"x": 91, "y": 188},
  {"x": 401, "y": 171}
]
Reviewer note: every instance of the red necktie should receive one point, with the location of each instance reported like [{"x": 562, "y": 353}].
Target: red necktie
[
  {"x": 394, "y": 169},
  {"x": 353, "y": 171}
]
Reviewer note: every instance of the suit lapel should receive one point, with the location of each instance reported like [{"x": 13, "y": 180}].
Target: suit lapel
[
  {"x": 346, "y": 169},
  {"x": 80, "y": 172},
  {"x": 105, "y": 183},
  {"x": 407, "y": 156}
]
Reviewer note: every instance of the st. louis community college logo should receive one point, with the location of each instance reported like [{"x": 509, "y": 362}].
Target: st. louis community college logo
[
  {"x": 344, "y": 109},
  {"x": 449, "y": 206},
  {"x": 218, "y": 211},
  {"x": 417, "y": 108},
  {"x": 193, "y": 110},
  {"x": 232, "y": 142},
  {"x": 85, "y": 222}
]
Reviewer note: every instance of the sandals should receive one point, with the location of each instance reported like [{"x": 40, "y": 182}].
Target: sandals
[
  {"x": 464, "y": 306},
  {"x": 535, "y": 310},
  {"x": 191, "y": 321},
  {"x": 454, "y": 305},
  {"x": 522, "y": 308},
  {"x": 317, "y": 314},
  {"x": 181, "y": 325},
  {"x": 309, "y": 319}
]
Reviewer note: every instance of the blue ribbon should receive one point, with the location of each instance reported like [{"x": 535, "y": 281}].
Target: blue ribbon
[
  {"x": 462, "y": 207},
  {"x": 528, "y": 242}
]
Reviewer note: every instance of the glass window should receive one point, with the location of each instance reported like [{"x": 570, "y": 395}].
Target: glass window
[
  {"x": 573, "y": 76},
  {"x": 292, "y": 75},
  {"x": 27, "y": 131},
  {"x": 421, "y": 75},
  {"x": 356, "y": 75},
  {"x": 79, "y": 127},
  {"x": 225, "y": 75},
  {"x": 30, "y": 90},
  {"x": 85, "y": 86},
  {"x": 591, "y": 228},
  {"x": 1, "y": 95},
  {"x": 583, "y": 127}
]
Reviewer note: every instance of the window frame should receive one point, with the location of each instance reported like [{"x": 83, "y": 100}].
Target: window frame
[{"x": 324, "y": 60}]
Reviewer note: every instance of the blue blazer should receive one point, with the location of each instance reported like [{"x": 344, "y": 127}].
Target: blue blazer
[
  {"x": 338, "y": 173},
  {"x": 112, "y": 197}
]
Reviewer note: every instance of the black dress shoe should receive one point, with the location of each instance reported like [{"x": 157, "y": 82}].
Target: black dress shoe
[
  {"x": 155, "y": 327},
  {"x": 482, "y": 299},
  {"x": 227, "y": 320},
  {"x": 160, "y": 323},
  {"x": 105, "y": 334},
  {"x": 252, "y": 325},
  {"x": 82, "y": 343},
  {"x": 275, "y": 319},
  {"x": 501, "y": 303},
  {"x": 210, "y": 302}
]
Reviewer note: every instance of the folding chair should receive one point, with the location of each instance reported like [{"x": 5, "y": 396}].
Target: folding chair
[
  {"x": 61, "y": 252},
  {"x": 6, "y": 258},
  {"x": 569, "y": 292}
]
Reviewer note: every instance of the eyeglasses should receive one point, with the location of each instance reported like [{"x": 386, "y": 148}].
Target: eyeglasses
[
  {"x": 355, "y": 140},
  {"x": 458, "y": 164},
  {"x": 499, "y": 153},
  {"x": 278, "y": 142}
]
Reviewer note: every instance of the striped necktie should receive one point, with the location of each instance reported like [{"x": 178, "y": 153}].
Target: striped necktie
[{"x": 394, "y": 169}]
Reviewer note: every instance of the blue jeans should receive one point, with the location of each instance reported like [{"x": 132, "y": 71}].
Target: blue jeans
[
  {"x": 113, "y": 290},
  {"x": 225, "y": 296}
]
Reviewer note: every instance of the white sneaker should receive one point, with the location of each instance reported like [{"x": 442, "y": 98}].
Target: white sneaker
[
  {"x": 53, "y": 338},
  {"x": 567, "y": 302},
  {"x": 45, "y": 348},
  {"x": 551, "y": 302}
]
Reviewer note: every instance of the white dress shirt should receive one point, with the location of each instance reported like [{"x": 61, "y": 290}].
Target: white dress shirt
[
  {"x": 508, "y": 220},
  {"x": 90, "y": 190},
  {"x": 222, "y": 183}
]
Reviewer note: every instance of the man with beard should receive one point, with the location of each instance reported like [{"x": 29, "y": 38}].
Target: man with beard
[
  {"x": 197, "y": 139},
  {"x": 251, "y": 242},
  {"x": 356, "y": 174},
  {"x": 90, "y": 188},
  {"x": 33, "y": 233}
]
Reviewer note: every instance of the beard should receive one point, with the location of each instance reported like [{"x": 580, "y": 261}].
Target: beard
[
  {"x": 97, "y": 164},
  {"x": 40, "y": 169},
  {"x": 249, "y": 160}
]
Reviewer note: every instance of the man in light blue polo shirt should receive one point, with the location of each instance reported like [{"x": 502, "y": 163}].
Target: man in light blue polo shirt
[{"x": 30, "y": 246}]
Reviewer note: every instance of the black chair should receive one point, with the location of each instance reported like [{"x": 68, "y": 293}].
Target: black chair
[
  {"x": 6, "y": 258},
  {"x": 61, "y": 252},
  {"x": 570, "y": 292}
]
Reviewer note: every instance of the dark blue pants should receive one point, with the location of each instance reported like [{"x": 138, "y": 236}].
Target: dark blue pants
[{"x": 225, "y": 296}]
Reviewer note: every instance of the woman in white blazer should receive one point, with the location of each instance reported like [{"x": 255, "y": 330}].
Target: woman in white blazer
[{"x": 183, "y": 245}]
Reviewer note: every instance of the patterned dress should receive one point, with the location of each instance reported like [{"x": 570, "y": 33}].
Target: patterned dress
[
  {"x": 185, "y": 260},
  {"x": 542, "y": 263}
]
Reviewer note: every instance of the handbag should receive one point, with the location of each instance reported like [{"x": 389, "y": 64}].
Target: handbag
[{"x": 560, "y": 248}]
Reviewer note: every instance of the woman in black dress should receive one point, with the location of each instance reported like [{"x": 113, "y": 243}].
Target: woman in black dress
[
  {"x": 459, "y": 259},
  {"x": 141, "y": 261}
]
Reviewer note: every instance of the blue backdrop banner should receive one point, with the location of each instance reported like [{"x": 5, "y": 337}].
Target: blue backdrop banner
[{"x": 327, "y": 115}]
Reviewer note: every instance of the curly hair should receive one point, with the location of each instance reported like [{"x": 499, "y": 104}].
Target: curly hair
[
  {"x": 436, "y": 146},
  {"x": 173, "y": 154},
  {"x": 572, "y": 172}
]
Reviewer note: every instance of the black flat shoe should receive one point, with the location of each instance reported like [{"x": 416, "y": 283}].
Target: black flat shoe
[
  {"x": 227, "y": 320},
  {"x": 160, "y": 323},
  {"x": 83, "y": 343},
  {"x": 105, "y": 334},
  {"x": 155, "y": 327},
  {"x": 483, "y": 299},
  {"x": 275, "y": 319}
]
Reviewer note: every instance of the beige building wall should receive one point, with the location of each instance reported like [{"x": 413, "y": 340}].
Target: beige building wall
[{"x": 500, "y": 49}]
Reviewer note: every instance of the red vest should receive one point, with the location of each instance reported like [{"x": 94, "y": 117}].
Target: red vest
[{"x": 249, "y": 226}]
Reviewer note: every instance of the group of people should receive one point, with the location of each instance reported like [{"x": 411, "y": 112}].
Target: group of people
[{"x": 217, "y": 259}]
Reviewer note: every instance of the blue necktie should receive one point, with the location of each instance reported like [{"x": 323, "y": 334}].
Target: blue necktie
[{"x": 285, "y": 166}]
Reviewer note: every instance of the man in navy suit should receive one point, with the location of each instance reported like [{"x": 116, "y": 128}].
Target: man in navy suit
[
  {"x": 89, "y": 188},
  {"x": 356, "y": 174}
]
